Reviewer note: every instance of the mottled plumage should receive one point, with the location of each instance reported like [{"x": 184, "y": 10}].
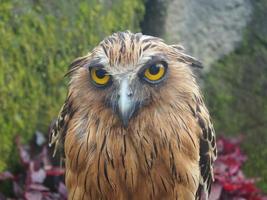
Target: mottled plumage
[{"x": 133, "y": 139}]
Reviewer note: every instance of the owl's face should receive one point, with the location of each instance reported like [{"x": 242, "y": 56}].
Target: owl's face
[{"x": 129, "y": 74}]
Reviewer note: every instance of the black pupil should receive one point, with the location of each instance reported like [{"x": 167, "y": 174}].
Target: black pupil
[
  {"x": 154, "y": 69},
  {"x": 100, "y": 73}
]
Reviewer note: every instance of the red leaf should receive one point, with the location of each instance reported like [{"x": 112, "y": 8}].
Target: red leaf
[
  {"x": 228, "y": 173},
  {"x": 216, "y": 191},
  {"x": 38, "y": 187},
  {"x": 230, "y": 187},
  {"x": 36, "y": 176},
  {"x": 18, "y": 191},
  {"x": 62, "y": 190},
  {"x": 5, "y": 176},
  {"x": 32, "y": 195},
  {"x": 55, "y": 171}
]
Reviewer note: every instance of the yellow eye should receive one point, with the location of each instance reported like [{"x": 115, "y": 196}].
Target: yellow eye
[
  {"x": 100, "y": 76},
  {"x": 155, "y": 72}
]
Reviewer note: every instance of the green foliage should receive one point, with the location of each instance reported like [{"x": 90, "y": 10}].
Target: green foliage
[
  {"x": 38, "y": 41},
  {"x": 236, "y": 90}
]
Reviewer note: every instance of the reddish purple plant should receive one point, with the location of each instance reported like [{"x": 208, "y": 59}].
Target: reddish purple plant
[
  {"x": 39, "y": 180},
  {"x": 230, "y": 182}
]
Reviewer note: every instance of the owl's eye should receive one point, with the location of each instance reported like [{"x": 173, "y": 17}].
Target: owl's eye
[
  {"x": 100, "y": 77},
  {"x": 155, "y": 72}
]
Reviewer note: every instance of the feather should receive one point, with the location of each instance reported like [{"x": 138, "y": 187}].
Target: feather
[
  {"x": 167, "y": 149},
  {"x": 207, "y": 148},
  {"x": 59, "y": 128}
]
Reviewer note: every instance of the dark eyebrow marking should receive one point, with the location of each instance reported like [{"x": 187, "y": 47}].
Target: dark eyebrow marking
[
  {"x": 105, "y": 50},
  {"x": 154, "y": 59},
  {"x": 95, "y": 63},
  {"x": 193, "y": 62},
  {"x": 147, "y": 46},
  {"x": 76, "y": 64},
  {"x": 197, "y": 64}
]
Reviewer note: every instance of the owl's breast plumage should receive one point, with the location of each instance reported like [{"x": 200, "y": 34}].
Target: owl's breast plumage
[{"x": 144, "y": 161}]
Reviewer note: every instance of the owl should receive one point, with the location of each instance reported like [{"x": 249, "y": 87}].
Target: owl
[{"x": 134, "y": 124}]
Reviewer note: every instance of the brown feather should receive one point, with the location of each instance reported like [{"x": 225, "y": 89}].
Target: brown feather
[{"x": 167, "y": 150}]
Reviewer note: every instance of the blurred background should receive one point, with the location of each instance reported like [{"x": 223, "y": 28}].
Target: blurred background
[{"x": 40, "y": 38}]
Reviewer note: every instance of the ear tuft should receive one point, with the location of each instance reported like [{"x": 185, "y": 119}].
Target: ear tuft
[
  {"x": 191, "y": 61},
  {"x": 78, "y": 62}
]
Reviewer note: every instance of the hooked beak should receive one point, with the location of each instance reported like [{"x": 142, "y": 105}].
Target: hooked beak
[{"x": 126, "y": 103}]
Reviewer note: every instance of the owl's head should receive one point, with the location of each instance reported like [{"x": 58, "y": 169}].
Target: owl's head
[{"x": 132, "y": 75}]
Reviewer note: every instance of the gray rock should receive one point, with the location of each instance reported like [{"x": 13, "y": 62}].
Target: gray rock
[{"x": 208, "y": 29}]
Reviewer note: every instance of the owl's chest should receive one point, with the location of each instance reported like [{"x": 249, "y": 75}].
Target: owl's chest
[{"x": 124, "y": 166}]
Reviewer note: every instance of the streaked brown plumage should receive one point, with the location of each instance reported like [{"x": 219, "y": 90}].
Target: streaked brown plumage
[{"x": 161, "y": 147}]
